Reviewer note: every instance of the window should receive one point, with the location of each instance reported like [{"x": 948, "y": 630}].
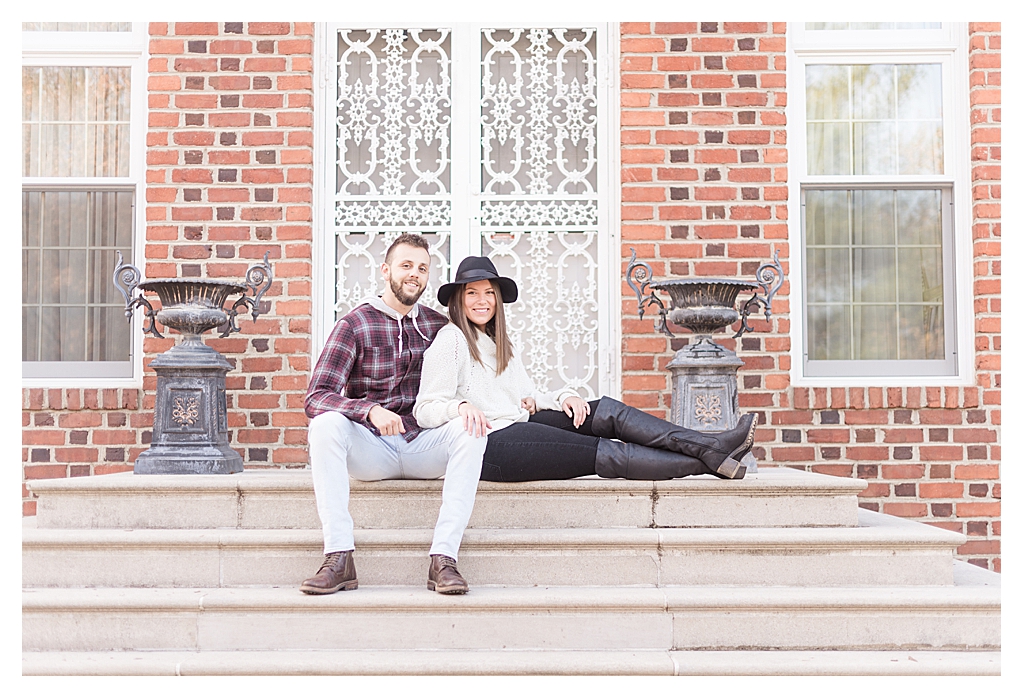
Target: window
[
  {"x": 83, "y": 107},
  {"x": 880, "y": 177}
]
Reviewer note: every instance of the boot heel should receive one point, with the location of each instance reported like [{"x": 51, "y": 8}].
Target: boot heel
[{"x": 731, "y": 469}]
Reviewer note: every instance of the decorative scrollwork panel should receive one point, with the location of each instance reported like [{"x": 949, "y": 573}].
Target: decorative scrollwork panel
[
  {"x": 393, "y": 112},
  {"x": 539, "y": 111},
  {"x": 554, "y": 324},
  {"x": 357, "y": 271}
]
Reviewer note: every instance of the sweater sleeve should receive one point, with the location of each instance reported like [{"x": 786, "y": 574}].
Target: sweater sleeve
[{"x": 444, "y": 364}]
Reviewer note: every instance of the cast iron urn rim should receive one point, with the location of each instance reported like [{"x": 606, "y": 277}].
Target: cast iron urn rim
[
  {"x": 183, "y": 298},
  {"x": 704, "y": 304}
]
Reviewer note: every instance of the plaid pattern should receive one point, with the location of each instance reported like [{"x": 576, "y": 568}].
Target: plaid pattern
[{"x": 360, "y": 366}]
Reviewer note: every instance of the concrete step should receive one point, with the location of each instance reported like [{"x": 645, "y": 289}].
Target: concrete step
[
  {"x": 960, "y": 617},
  {"x": 774, "y": 497},
  {"x": 882, "y": 550},
  {"x": 514, "y": 662}
]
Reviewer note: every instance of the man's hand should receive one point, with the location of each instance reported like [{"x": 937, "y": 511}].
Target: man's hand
[
  {"x": 387, "y": 422},
  {"x": 576, "y": 408},
  {"x": 473, "y": 419},
  {"x": 529, "y": 405}
]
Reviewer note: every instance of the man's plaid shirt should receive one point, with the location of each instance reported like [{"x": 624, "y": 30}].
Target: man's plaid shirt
[{"x": 373, "y": 359}]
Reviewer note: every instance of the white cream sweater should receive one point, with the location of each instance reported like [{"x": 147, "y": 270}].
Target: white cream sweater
[{"x": 451, "y": 377}]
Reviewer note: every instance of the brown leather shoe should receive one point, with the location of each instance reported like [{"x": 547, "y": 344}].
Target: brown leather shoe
[
  {"x": 337, "y": 573},
  {"x": 444, "y": 577}
]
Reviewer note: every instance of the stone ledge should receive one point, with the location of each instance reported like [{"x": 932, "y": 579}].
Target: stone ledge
[{"x": 513, "y": 662}]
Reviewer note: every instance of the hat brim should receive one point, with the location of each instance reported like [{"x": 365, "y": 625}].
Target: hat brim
[{"x": 509, "y": 291}]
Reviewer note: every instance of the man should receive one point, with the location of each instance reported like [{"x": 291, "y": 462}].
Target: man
[{"x": 360, "y": 403}]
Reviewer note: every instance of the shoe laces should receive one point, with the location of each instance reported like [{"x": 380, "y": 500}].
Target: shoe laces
[
  {"x": 331, "y": 560},
  {"x": 445, "y": 561}
]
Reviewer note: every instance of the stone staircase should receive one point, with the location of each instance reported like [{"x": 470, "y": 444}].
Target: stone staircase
[{"x": 779, "y": 573}]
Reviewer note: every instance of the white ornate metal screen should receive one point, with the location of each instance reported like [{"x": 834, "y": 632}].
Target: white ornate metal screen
[{"x": 488, "y": 141}]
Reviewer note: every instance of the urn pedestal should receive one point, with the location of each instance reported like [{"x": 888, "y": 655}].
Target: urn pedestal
[
  {"x": 704, "y": 390},
  {"x": 190, "y": 422},
  {"x": 190, "y": 434}
]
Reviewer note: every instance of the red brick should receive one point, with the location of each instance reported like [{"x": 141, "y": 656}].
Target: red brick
[
  {"x": 76, "y": 455},
  {"x": 964, "y": 509},
  {"x": 866, "y": 417},
  {"x": 903, "y": 436},
  {"x": 45, "y": 472},
  {"x": 196, "y": 28},
  {"x": 902, "y": 472},
  {"x": 792, "y": 453},
  {"x": 940, "y": 490},
  {"x": 976, "y": 472},
  {"x": 223, "y": 46},
  {"x": 269, "y": 28},
  {"x": 909, "y": 509}
]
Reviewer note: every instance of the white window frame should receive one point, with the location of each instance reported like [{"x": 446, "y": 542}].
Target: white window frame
[
  {"x": 465, "y": 236},
  {"x": 118, "y": 49},
  {"x": 947, "y": 46}
]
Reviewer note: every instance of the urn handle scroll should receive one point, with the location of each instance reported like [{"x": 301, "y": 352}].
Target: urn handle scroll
[
  {"x": 258, "y": 278},
  {"x": 126, "y": 280},
  {"x": 640, "y": 273},
  {"x": 769, "y": 278}
]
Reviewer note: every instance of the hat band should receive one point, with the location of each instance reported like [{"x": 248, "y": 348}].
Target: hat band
[{"x": 474, "y": 275}]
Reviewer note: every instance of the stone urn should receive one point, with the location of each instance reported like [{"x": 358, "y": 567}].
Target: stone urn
[{"x": 190, "y": 420}]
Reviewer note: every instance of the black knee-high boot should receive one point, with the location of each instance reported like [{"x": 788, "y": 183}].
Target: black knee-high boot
[
  {"x": 720, "y": 452},
  {"x": 634, "y": 462}
]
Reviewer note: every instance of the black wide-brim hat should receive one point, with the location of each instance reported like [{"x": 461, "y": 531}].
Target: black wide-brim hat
[{"x": 476, "y": 269}]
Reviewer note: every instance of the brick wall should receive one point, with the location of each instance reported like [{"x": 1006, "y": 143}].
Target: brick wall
[
  {"x": 704, "y": 172},
  {"x": 704, "y": 191},
  {"x": 228, "y": 178}
]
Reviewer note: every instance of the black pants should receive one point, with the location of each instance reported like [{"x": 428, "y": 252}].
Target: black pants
[{"x": 547, "y": 447}]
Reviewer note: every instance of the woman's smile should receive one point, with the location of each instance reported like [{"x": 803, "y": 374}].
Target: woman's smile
[{"x": 480, "y": 302}]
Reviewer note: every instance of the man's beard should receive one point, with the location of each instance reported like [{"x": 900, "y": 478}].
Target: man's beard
[{"x": 398, "y": 289}]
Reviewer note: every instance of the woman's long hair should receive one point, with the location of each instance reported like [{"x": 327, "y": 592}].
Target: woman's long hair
[{"x": 496, "y": 328}]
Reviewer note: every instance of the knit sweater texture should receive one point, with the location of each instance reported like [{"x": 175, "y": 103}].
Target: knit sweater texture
[{"x": 451, "y": 377}]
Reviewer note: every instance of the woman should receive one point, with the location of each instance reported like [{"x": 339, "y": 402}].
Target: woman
[{"x": 471, "y": 371}]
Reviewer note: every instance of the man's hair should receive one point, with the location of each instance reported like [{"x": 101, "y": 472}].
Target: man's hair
[{"x": 413, "y": 239}]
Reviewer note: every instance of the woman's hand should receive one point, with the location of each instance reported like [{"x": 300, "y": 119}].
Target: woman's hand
[
  {"x": 473, "y": 419},
  {"x": 529, "y": 405},
  {"x": 576, "y": 408}
]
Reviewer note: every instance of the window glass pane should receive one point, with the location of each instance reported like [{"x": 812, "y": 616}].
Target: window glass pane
[
  {"x": 76, "y": 26},
  {"x": 30, "y": 333},
  {"x": 919, "y": 214},
  {"x": 892, "y": 261},
  {"x": 828, "y": 273},
  {"x": 874, "y": 119},
  {"x": 828, "y": 336},
  {"x": 69, "y": 304},
  {"x": 108, "y": 334},
  {"x": 873, "y": 274},
  {"x": 922, "y": 332},
  {"x": 827, "y": 217},
  {"x": 874, "y": 334},
  {"x": 63, "y": 333},
  {"x": 30, "y": 275},
  {"x": 76, "y": 121},
  {"x": 873, "y": 216}
]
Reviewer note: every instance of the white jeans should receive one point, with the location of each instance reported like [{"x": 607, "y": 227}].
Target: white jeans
[{"x": 339, "y": 448}]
